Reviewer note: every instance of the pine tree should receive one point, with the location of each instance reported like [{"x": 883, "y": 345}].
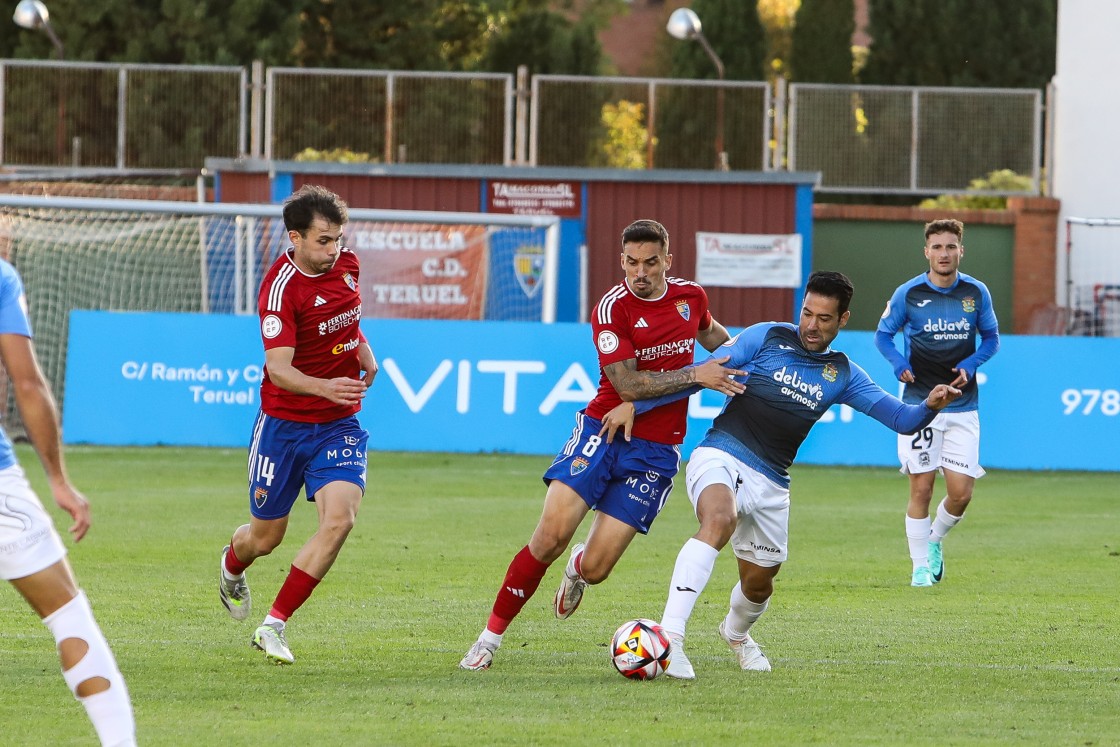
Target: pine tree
[{"x": 822, "y": 41}]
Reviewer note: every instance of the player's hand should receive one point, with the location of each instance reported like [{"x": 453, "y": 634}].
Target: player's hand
[
  {"x": 906, "y": 377},
  {"x": 941, "y": 396},
  {"x": 622, "y": 417},
  {"x": 962, "y": 377},
  {"x": 74, "y": 503},
  {"x": 344, "y": 391},
  {"x": 370, "y": 368},
  {"x": 711, "y": 374}
]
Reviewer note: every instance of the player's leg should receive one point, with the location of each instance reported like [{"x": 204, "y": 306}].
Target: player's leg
[
  {"x": 88, "y": 665},
  {"x": 336, "y": 480},
  {"x": 960, "y": 462},
  {"x": 33, "y": 560},
  {"x": 712, "y": 478},
  {"x": 563, "y": 511},
  {"x": 641, "y": 479},
  {"x": 278, "y": 452},
  {"x": 749, "y": 600},
  {"x": 920, "y": 456}
]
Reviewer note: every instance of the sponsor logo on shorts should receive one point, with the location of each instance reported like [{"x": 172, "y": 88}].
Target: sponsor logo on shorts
[
  {"x": 25, "y": 541},
  {"x": 579, "y": 464},
  {"x": 923, "y": 459},
  {"x": 962, "y": 465},
  {"x": 653, "y": 476},
  {"x": 765, "y": 548},
  {"x": 260, "y": 496}
]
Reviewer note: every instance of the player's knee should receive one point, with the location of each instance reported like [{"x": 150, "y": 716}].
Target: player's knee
[
  {"x": 338, "y": 526},
  {"x": 88, "y": 665},
  {"x": 716, "y": 527},
  {"x": 592, "y": 572}
]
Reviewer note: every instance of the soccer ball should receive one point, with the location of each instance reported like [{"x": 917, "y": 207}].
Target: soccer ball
[{"x": 640, "y": 649}]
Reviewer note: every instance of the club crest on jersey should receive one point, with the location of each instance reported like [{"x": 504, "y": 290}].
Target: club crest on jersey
[
  {"x": 684, "y": 310},
  {"x": 829, "y": 372},
  {"x": 351, "y": 283},
  {"x": 969, "y": 304},
  {"x": 260, "y": 495},
  {"x": 579, "y": 464},
  {"x": 528, "y": 264}
]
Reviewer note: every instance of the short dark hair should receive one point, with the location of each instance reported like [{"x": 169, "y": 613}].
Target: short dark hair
[
  {"x": 945, "y": 225},
  {"x": 310, "y": 200},
  {"x": 832, "y": 285},
  {"x": 641, "y": 231}
]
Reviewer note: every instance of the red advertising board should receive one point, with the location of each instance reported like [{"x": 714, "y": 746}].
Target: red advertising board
[{"x": 415, "y": 271}]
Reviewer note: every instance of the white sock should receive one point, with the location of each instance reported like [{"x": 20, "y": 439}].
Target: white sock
[
  {"x": 691, "y": 572},
  {"x": 743, "y": 613},
  {"x": 917, "y": 536},
  {"x": 943, "y": 522},
  {"x": 270, "y": 620},
  {"x": 494, "y": 639}
]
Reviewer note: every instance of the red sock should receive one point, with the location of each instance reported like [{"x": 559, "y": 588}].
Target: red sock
[
  {"x": 295, "y": 591},
  {"x": 234, "y": 566},
  {"x": 521, "y": 582}
]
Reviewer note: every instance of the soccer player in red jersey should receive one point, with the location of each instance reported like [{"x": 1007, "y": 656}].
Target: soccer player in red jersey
[
  {"x": 645, "y": 329},
  {"x": 318, "y": 365}
]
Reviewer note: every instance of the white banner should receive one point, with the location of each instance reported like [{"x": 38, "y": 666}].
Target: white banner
[{"x": 740, "y": 260}]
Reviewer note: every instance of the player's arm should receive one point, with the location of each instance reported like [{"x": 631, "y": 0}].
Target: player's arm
[
  {"x": 281, "y": 372},
  {"x": 867, "y": 397},
  {"x": 988, "y": 327},
  {"x": 894, "y": 316},
  {"x": 632, "y": 384},
  {"x": 40, "y": 417},
  {"x": 712, "y": 337},
  {"x": 366, "y": 359}
]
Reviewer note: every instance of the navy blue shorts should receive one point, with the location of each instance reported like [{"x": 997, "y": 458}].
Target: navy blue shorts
[
  {"x": 286, "y": 456},
  {"x": 629, "y": 481}
]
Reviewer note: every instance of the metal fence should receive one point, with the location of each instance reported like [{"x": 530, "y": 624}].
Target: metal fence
[
  {"x": 390, "y": 117},
  {"x": 862, "y": 139},
  {"x": 649, "y": 123},
  {"x": 908, "y": 140},
  {"x": 124, "y": 116}
]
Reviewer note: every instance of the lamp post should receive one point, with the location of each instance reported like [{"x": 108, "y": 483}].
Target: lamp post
[
  {"x": 32, "y": 14},
  {"x": 684, "y": 24}
]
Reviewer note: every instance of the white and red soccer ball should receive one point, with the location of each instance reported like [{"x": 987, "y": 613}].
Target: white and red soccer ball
[{"x": 640, "y": 649}]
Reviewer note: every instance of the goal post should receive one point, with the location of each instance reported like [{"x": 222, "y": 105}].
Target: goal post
[
  {"x": 141, "y": 255},
  {"x": 1092, "y": 276}
]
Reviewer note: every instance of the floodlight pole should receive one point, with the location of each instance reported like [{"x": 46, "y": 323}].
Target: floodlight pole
[
  {"x": 33, "y": 14},
  {"x": 685, "y": 24}
]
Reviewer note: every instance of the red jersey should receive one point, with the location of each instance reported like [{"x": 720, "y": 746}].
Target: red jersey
[
  {"x": 317, "y": 315},
  {"x": 661, "y": 335}
]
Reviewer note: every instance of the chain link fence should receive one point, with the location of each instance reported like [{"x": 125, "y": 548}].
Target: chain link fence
[{"x": 862, "y": 139}]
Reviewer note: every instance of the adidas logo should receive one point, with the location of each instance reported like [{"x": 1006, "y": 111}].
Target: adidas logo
[
  {"x": 516, "y": 592},
  {"x": 641, "y": 323},
  {"x": 319, "y": 300}
]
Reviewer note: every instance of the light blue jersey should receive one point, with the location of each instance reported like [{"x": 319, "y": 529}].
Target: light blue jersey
[
  {"x": 788, "y": 390},
  {"x": 940, "y": 326},
  {"x": 13, "y": 321}
]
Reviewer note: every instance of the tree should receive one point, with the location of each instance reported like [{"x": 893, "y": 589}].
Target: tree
[
  {"x": 999, "y": 43},
  {"x": 822, "y": 42}
]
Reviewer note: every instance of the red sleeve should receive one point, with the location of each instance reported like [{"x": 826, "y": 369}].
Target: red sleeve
[
  {"x": 612, "y": 337},
  {"x": 278, "y": 326}
]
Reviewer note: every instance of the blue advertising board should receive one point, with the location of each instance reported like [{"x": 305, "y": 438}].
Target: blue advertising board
[{"x": 193, "y": 379}]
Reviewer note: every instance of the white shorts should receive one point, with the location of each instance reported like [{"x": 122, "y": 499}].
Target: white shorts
[
  {"x": 951, "y": 441},
  {"x": 28, "y": 540},
  {"x": 762, "y": 531}
]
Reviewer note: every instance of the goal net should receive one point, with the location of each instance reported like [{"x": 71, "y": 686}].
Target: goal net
[
  {"x": 137, "y": 255},
  {"x": 1092, "y": 275}
]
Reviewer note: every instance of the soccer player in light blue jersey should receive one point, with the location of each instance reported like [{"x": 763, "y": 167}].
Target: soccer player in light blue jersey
[
  {"x": 941, "y": 313},
  {"x": 32, "y": 556},
  {"x": 737, "y": 477}
]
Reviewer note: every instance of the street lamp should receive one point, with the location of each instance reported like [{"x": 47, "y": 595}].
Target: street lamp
[
  {"x": 32, "y": 14},
  {"x": 684, "y": 24}
]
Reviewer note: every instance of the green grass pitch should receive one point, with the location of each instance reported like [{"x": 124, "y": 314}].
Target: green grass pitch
[{"x": 1020, "y": 645}]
